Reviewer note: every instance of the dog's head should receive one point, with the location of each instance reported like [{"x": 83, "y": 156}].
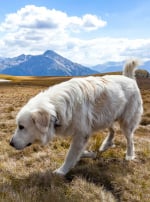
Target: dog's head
[{"x": 32, "y": 126}]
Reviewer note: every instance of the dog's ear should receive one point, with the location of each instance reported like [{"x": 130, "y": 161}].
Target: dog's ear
[{"x": 41, "y": 119}]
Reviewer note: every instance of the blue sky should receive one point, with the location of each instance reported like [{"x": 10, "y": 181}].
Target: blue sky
[{"x": 89, "y": 32}]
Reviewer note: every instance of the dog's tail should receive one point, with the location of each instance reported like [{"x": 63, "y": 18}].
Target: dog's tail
[{"x": 130, "y": 67}]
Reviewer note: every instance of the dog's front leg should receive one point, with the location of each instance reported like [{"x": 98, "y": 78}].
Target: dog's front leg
[{"x": 74, "y": 154}]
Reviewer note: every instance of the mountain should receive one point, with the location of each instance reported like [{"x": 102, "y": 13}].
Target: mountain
[
  {"x": 8, "y": 62},
  {"x": 109, "y": 67},
  {"x": 52, "y": 64},
  {"x": 117, "y": 66},
  {"x": 47, "y": 64}
]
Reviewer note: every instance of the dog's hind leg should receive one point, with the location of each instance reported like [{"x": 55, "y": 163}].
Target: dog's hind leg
[
  {"x": 108, "y": 141},
  {"x": 129, "y": 133},
  {"x": 128, "y": 127},
  {"x": 76, "y": 149}
]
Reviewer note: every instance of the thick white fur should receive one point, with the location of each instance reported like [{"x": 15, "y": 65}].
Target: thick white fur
[{"x": 80, "y": 107}]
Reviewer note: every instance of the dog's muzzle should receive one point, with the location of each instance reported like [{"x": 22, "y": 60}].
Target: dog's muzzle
[{"x": 13, "y": 144}]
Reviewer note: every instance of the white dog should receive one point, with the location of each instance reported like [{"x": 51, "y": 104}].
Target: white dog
[{"x": 79, "y": 107}]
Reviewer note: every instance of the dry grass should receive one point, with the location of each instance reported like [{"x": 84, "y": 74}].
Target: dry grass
[
  {"x": 33, "y": 80},
  {"x": 27, "y": 175}
]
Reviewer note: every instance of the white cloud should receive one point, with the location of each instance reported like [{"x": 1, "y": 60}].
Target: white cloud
[
  {"x": 32, "y": 17},
  {"x": 88, "y": 22},
  {"x": 42, "y": 18},
  {"x": 92, "y": 22},
  {"x": 32, "y": 30},
  {"x": 101, "y": 50}
]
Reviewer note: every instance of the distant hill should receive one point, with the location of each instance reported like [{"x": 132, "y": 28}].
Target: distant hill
[
  {"x": 47, "y": 64},
  {"x": 117, "y": 66}
]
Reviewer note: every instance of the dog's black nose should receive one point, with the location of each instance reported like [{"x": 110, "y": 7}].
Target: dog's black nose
[{"x": 11, "y": 143}]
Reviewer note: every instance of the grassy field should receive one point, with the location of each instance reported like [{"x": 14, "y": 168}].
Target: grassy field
[{"x": 26, "y": 176}]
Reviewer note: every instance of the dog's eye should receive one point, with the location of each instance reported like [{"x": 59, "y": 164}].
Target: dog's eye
[{"x": 21, "y": 127}]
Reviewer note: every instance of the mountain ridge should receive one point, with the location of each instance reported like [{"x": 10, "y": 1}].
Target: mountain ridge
[
  {"x": 51, "y": 63},
  {"x": 47, "y": 64},
  {"x": 117, "y": 66}
]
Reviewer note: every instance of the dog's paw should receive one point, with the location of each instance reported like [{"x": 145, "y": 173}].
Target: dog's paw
[
  {"x": 88, "y": 154},
  {"x": 129, "y": 158},
  {"x": 59, "y": 172}
]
